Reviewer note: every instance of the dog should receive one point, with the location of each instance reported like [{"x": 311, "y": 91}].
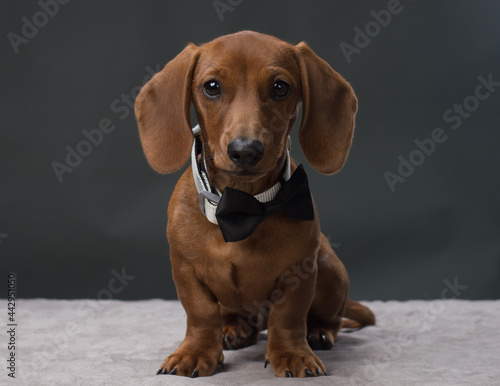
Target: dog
[{"x": 246, "y": 249}]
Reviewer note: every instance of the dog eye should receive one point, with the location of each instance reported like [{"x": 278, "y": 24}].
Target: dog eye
[
  {"x": 280, "y": 89},
  {"x": 211, "y": 88}
]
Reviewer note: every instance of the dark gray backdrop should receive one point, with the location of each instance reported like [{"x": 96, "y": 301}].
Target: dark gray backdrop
[{"x": 436, "y": 235}]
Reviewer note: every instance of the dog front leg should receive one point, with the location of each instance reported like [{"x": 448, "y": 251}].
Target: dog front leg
[
  {"x": 201, "y": 351},
  {"x": 287, "y": 349}
]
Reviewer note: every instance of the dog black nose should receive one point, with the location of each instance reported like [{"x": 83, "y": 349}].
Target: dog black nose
[{"x": 245, "y": 152}]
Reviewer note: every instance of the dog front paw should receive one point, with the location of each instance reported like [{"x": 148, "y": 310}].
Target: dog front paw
[
  {"x": 189, "y": 363},
  {"x": 320, "y": 338},
  {"x": 300, "y": 364},
  {"x": 235, "y": 338}
]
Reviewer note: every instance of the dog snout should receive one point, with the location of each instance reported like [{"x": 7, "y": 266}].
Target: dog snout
[{"x": 245, "y": 152}]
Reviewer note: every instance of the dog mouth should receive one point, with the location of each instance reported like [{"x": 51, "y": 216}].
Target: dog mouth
[
  {"x": 244, "y": 175},
  {"x": 237, "y": 172}
]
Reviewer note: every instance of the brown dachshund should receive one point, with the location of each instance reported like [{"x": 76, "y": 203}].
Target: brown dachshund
[{"x": 271, "y": 268}]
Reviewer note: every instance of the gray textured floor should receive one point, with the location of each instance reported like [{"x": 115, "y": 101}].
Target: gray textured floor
[{"x": 81, "y": 342}]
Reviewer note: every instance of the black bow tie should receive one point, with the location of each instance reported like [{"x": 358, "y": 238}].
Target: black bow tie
[{"x": 239, "y": 213}]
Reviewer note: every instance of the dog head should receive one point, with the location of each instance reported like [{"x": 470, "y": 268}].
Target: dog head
[{"x": 246, "y": 88}]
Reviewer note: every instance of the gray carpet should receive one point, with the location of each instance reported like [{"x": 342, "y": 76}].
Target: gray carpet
[{"x": 83, "y": 342}]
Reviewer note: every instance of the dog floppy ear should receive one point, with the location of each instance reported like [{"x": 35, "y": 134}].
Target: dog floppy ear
[
  {"x": 162, "y": 112},
  {"x": 329, "y": 108}
]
